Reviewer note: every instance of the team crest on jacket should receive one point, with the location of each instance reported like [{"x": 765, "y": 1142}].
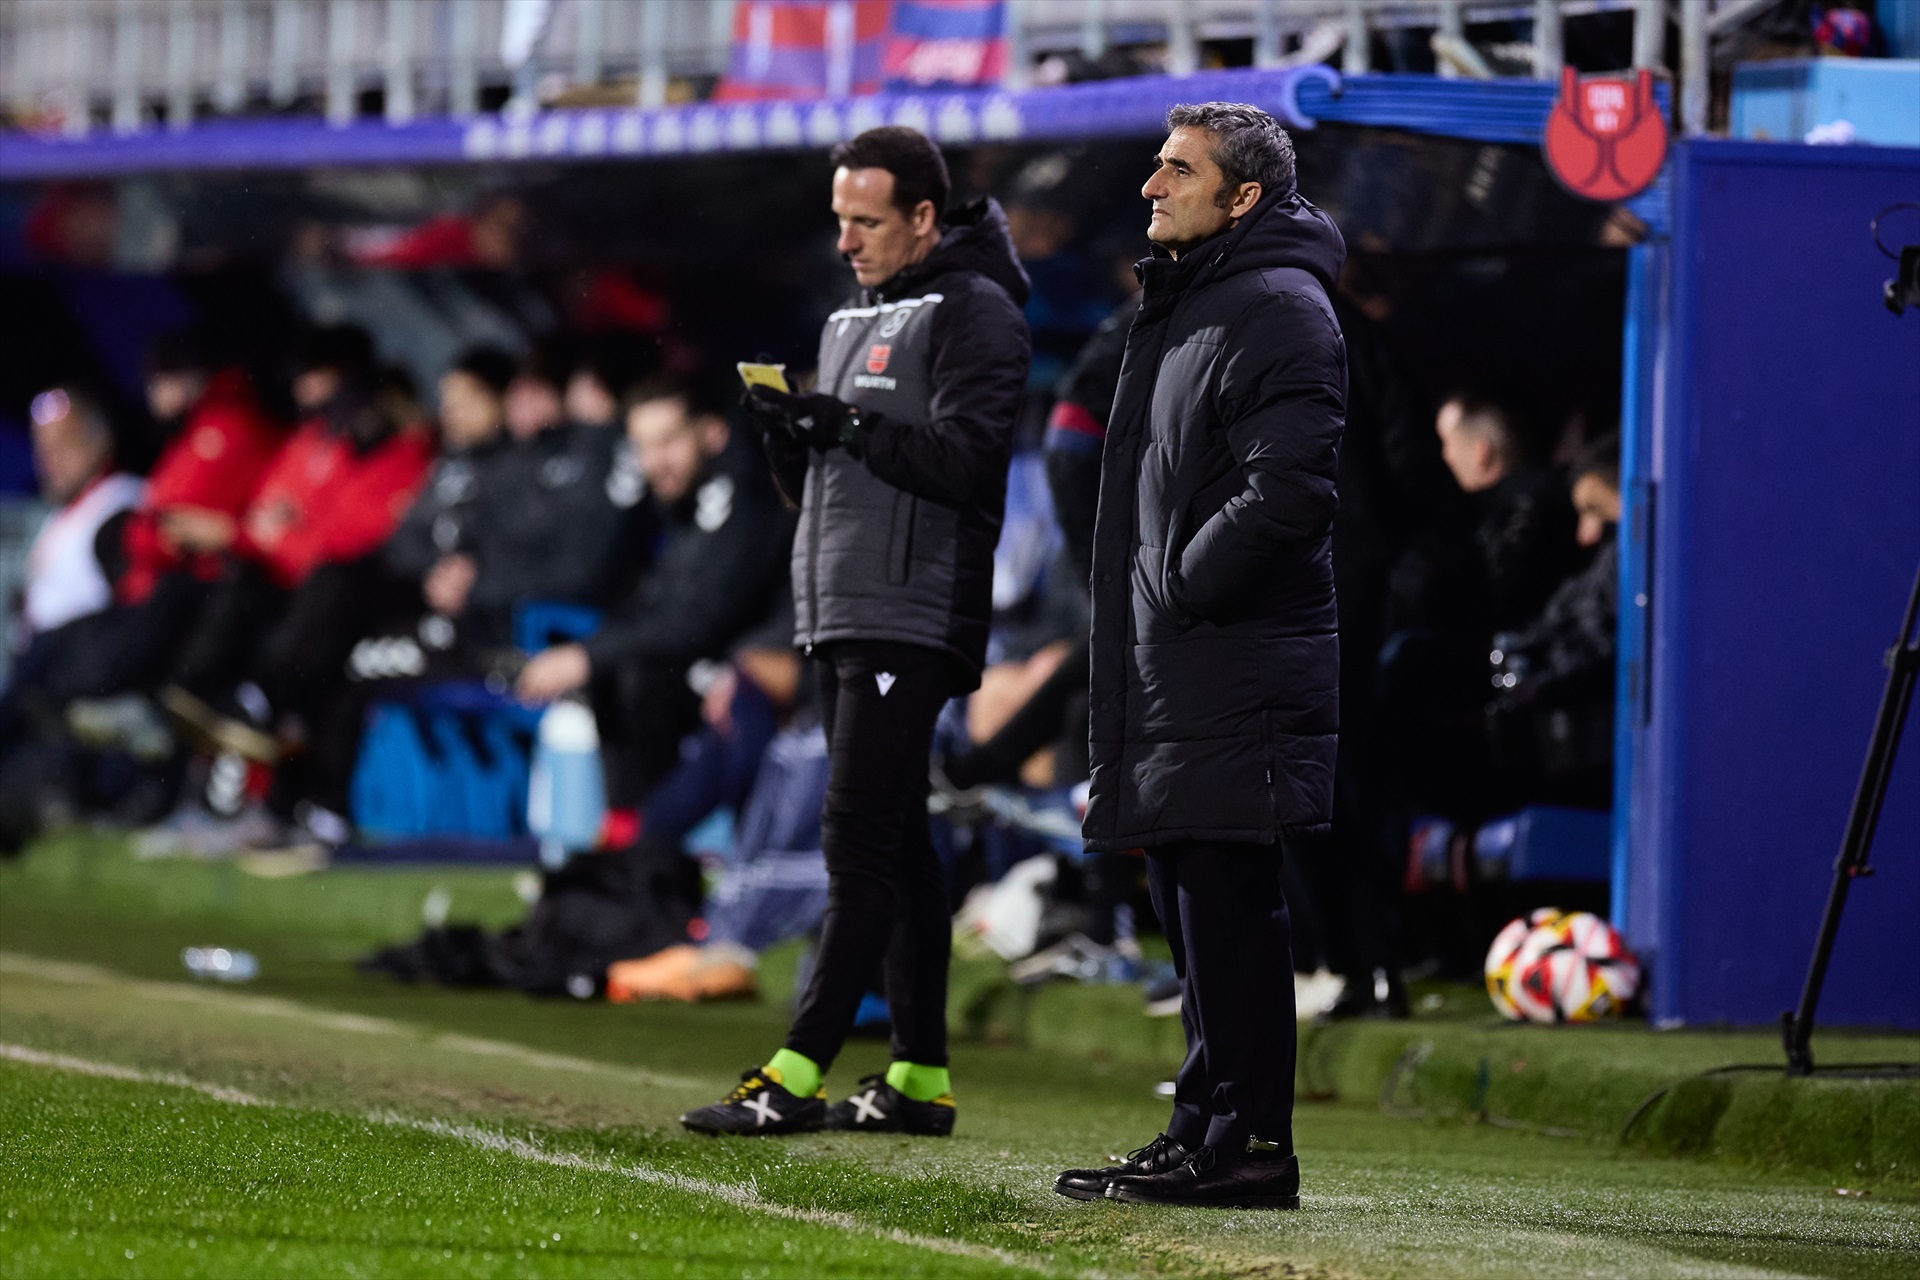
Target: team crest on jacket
[{"x": 877, "y": 357}]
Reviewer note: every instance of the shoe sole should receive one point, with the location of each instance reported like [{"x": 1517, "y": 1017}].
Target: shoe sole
[
  {"x": 1079, "y": 1193},
  {"x": 215, "y": 731},
  {"x": 1182, "y": 1202}
]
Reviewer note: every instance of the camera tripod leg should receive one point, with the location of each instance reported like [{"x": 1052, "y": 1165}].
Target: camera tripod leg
[{"x": 1903, "y": 666}]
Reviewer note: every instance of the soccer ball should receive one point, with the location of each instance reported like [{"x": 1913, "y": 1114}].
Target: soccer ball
[
  {"x": 1502, "y": 954},
  {"x": 1569, "y": 968}
]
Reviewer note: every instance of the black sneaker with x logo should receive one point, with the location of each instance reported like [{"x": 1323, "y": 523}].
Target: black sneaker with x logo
[
  {"x": 759, "y": 1106},
  {"x": 878, "y": 1107}
]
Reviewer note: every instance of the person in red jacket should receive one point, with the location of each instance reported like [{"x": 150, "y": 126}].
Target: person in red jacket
[
  {"x": 302, "y": 580},
  {"x": 219, "y": 452}
]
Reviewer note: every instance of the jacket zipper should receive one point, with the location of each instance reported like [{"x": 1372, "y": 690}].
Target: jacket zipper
[{"x": 817, "y": 475}]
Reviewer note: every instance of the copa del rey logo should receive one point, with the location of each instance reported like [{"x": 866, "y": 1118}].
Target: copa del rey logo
[
  {"x": 877, "y": 357},
  {"x": 1605, "y": 139}
]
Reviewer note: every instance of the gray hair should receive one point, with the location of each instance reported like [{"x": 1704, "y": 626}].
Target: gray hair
[{"x": 1248, "y": 144}]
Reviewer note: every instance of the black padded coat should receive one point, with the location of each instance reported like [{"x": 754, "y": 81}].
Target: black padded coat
[{"x": 1215, "y": 662}]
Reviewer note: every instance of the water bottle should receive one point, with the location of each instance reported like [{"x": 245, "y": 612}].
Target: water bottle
[
  {"x": 220, "y": 964},
  {"x": 566, "y": 798}
]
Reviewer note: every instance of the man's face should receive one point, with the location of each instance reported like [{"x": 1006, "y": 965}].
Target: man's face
[
  {"x": 170, "y": 395},
  {"x": 65, "y": 454},
  {"x": 1188, "y": 204},
  {"x": 1597, "y": 503},
  {"x": 533, "y": 405},
  {"x": 469, "y": 410},
  {"x": 588, "y": 400},
  {"x": 312, "y": 388},
  {"x": 1468, "y": 449},
  {"x": 673, "y": 447},
  {"x": 876, "y": 238}
]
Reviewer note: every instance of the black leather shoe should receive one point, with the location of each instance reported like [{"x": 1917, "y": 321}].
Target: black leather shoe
[
  {"x": 1211, "y": 1181},
  {"x": 1161, "y": 1154},
  {"x": 878, "y": 1107}
]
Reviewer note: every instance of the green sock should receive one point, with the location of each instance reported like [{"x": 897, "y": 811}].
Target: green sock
[
  {"x": 798, "y": 1074},
  {"x": 922, "y": 1084}
]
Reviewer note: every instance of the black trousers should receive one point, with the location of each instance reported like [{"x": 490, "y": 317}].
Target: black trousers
[
  {"x": 1225, "y": 917},
  {"x": 644, "y": 708},
  {"x": 886, "y": 897}
]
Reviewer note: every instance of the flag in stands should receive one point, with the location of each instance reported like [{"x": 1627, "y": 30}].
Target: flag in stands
[
  {"x": 805, "y": 49},
  {"x": 946, "y": 42}
]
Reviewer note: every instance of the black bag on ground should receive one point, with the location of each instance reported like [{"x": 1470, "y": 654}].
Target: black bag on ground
[{"x": 595, "y": 910}]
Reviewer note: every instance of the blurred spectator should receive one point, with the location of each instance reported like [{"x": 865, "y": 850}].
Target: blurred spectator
[
  {"x": 1523, "y": 522},
  {"x": 608, "y": 368},
  {"x": 302, "y": 581},
  {"x": 1552, "y": 713},
  {"x": 488, "y": 238},
  {"x": 432, "y": 545},
  {"x": 1397, "y": 542},
  {"x": 555, "y": 518},
  {"x": 720, "y": 561},
  {"x": 68, "y": 573},
  {"x": 71, "y": 568},
  {"x": 220, "y": 442}
]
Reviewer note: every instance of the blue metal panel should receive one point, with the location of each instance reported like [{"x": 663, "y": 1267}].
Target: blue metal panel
[
  {"x": 1783, "y": 100},
  {"x": 1787, "y": 472},
  {"x": 1642, "y": 369}
]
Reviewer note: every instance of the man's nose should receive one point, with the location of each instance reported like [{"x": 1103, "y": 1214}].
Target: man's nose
[
  {"x": 1154, "y": 189},
  {"x": 849, "y": 242}
]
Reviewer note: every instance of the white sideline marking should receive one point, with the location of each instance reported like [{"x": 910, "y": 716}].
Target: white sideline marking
[
  {"x": 741, "y": 1197},
  {"x": 353, "y": 1023}
]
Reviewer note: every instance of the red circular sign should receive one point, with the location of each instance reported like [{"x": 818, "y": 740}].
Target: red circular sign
[{"x": 1605, "y": 138}]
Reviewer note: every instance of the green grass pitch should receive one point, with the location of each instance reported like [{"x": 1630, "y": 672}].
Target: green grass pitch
[{"x": 317, "y": 1122}]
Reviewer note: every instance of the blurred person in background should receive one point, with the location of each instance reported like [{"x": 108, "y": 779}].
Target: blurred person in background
[
  {"x": 71, "y": 569},
  {"x": 559, "y": 524},
  {"x": 433, "y": 545},
  {"x": 1214, "y": 658},
  {"x": 720, "y": 559},
  {"x": 218, "y": 443},
  {"x": 76, "y": 556},
  {"x": 1398, "y": 551},
  {"x": 1551, "y": 719},
  {"x": 1523, "y": 523},
  {"x": 899, "y": 466},
  {"x": 303, "y": 579},
  {"x": 1431, "y": 687}
]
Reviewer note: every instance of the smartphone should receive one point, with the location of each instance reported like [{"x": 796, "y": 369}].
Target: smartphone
[{"x": 763, "y": 375}]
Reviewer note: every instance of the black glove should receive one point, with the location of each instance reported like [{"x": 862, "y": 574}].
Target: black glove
[{"x": 813, "y": 419}]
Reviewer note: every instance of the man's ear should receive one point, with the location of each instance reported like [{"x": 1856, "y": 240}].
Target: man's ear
[
  {"x": 1244, "y": 200},
  {"x": 924, "y": 217},
  {"x": 714, "y": 434}
]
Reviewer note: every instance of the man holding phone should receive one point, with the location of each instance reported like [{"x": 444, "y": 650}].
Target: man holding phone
[{"x": 898, "y": 463}]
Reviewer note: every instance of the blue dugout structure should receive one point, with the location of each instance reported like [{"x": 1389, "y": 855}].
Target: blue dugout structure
[
  {"x": 1771, "y": 424},
  {"x": 1771, "y": 412}
]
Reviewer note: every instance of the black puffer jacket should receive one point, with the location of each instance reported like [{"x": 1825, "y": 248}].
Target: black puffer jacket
[
  {"x": 551, "y": 518},
  {"x": 900, "y": 546},
  {"x": 1215, "y": 681}
]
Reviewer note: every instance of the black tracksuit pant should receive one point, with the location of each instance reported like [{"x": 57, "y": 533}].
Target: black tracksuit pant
[
  {"x": 886, "y": 897},
  {"x": 1226, "y": 919}
]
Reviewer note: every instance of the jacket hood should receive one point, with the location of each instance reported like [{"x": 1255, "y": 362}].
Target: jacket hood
[
  {"x": 1283, "y": 230},
  {"x": 976, "y": 239}
]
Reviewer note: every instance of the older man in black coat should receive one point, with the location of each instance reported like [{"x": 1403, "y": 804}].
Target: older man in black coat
[{"x": 1215, "y": 653}]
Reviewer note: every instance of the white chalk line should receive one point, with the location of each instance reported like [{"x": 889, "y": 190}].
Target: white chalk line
[
  {"x": 741, "y": 1197},
  {"x": 351, "y": 1023}
]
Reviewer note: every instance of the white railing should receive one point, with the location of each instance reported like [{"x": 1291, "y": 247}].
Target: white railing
[{"x": 78, "y": 64}]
